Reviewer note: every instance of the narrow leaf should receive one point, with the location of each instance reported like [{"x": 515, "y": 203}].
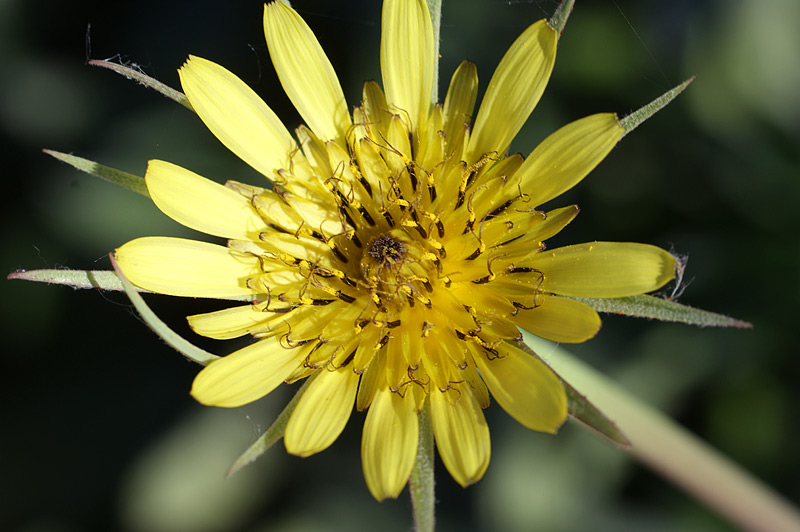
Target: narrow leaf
[
  {"x": 104, "y": 280},
  {"x": 636, "y": 118},
  {"x": 273, "y": 433},
  {"x": 674, "y": 453},
  {"x": 123, "y": 179},
  {"x": 145, "y": 80},
  {"x": 583, "y": 411},
  {"x": 656, "y": 308},
  {"x": 173, "y": 339},
  {"x": 559, "y": 18}
]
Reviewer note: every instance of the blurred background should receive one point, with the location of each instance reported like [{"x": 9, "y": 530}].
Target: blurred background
[{"x": 99, "y": 432}]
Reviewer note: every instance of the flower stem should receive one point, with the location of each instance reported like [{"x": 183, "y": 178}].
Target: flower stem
[
  {"x": 421, "y": 483},
  {"x": 678, "y": 455}
]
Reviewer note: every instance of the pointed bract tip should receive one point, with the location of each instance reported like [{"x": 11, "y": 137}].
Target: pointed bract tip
[{"x": 636, "y": 118}]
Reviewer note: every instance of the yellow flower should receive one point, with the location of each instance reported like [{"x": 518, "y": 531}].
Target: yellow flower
[{"x": 397, "y": 251}]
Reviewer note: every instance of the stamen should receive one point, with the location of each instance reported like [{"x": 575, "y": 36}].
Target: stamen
[
  {"x": 365, "y": 184},
  {"x": 412, "y": 174},
  {"x": 440, "y": 228},
  {"x": 344, "y": 297},
  {"x": 339, "y": 255},
  {"x": 366, "y": 216},
  {"x": 500, "y": 209}
]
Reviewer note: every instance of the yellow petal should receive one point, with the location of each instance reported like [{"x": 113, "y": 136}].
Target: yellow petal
[
  {"x": 237, "y": 116},
  {"x": 322, "y": 412},
  {"x": 514, "y": 90},
  {"x": 231, "y": 322},
  {"x": 604, "y": 269},
  {"x": 554, "y": 222},
  {"x": 372, "y": 379},
  {"x": 305, "y": 72},
  {"x": 473, "y": 378},
  {"x": 180, "y": 267},
  {"x": 461, "y": 433},
  {"x": 389, "y": 444},
  {"x": 407, "y": 58},
  {"x": 560, "y": 319},
  {"x": 375, "y": 107},
  {"x": 246, "y": 375},
  {"x": 201, "y": 204},
  {"x": 567, "y": 156},
  {"x": 459, "y": 104},
  {"x": 524, "y": 387}
]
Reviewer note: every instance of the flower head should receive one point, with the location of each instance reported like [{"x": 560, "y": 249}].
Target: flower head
[{"x": 398, "y": 250}]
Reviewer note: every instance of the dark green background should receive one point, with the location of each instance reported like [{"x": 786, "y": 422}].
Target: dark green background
[{"x": 99, "y": 432}]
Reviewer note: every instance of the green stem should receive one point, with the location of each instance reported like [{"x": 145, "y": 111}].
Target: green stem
[
  {"x": 421, "y": 483},
  {"x": 678, "y": 455}
]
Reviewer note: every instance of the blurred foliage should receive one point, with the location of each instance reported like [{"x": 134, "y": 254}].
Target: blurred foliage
[{"x": 99, "y": 430}]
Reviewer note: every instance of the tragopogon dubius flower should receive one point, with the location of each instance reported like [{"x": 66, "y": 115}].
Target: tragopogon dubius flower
[{"x": 398, "y": 249}]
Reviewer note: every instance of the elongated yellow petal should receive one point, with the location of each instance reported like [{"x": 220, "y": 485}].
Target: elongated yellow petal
[
  {"x": 372, "y": 379},
  {"x": 389, "y": 444},
  {"x": 459, "y": 104},
  {"x": 230, "y": 322},
  {"x": 561, "y": 320},
  {"x": 245, "y": 375},
  {"x": 604, "y": 269},
  {"x": 305, "y": 72},
  {"x": 407, "y": 60},
  {"x": 180, "y": 267},
  {"x": 461, "y": 433},
  {"x": 201, "y": 204},
  {"x": 237, "y": 116},
  {"x": 524, "y": 387},
  {"x": 555, "y": 221},
  {"x": 322, "y": 412},
  {"x": 514, "y": 90},
  {"x": 567, "y": 156}
]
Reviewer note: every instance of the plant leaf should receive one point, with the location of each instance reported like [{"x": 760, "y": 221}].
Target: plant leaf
[
  {"x": 656, "y": 308},
  {"x": 636, "y": 118},
  {"x": 679, "y": 456},
  {"x": 144, "y": 79},
  {"x": 101, "y": 279},
  {"x": 124, "y": 179}
]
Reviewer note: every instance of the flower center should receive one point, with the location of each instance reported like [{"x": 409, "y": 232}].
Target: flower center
[
  {"x": 386, "y": 250},
  {"x": 396, "y": 268}
]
